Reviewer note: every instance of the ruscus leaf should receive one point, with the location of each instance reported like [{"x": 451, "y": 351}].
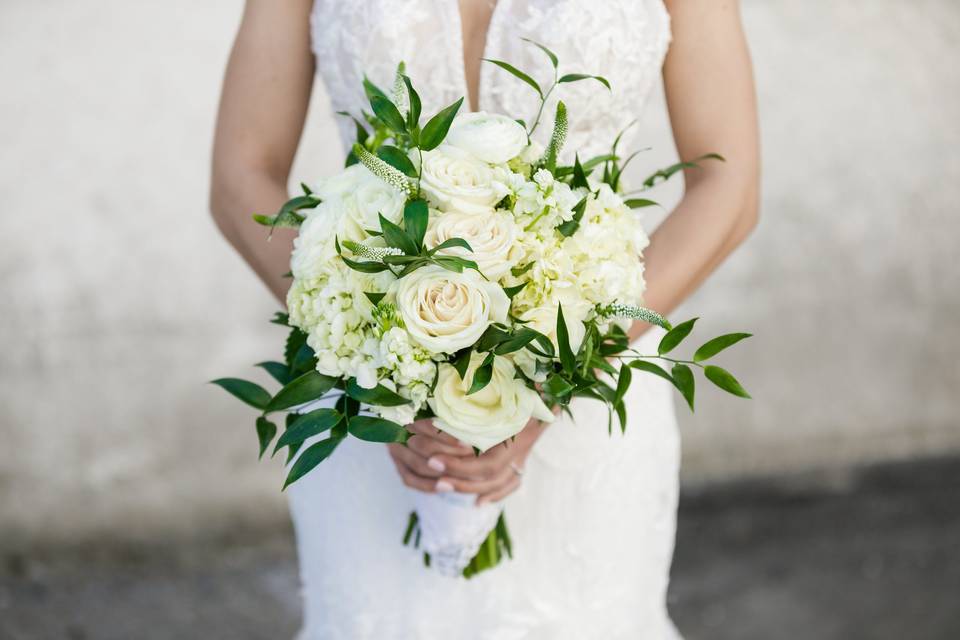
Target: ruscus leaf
[
  {"x": 725, "y": 380},
  {"x": 574, "y": 77},
  {"x": 437, "y": 127},
  {"x": 509, "y": 68},
  {"x": 249, "y": 392},
  {"x": 378, "y": 395},
  {"x": 718, "y": 344},
  {"x": 373, "y": 429},
  {"x": 683, "y": 379},
  {"x": 675, "y": 336},
  {"x": 265, "y": 432},
  {"x": 310, "y": 386},
  {"x": 311, "y": 458},
  {"x": 308, "y": 425}
]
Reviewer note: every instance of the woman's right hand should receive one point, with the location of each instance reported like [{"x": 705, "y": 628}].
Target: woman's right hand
[{"x": 415, "y": 461}]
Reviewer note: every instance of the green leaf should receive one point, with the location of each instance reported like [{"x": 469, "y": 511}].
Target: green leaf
[
  {"x": 379, "y": 395},
  {"x": 675, "y": 336},
  {"x": 395, "y": 236},
  {"x": 365, "y": 266},
  {"x": 455, "y": 263},
  {"x": 506, "y": 66},
  {"x": 437, "y": 127},
  {"x": 305, "y": 360},
  {"x": 666, "y": 174},
  {"x": 280, "y": 318},
  {"x": 550, "y": 54},
  {"x": 372, "y": 90},
  {"x": 413, "y": 115},
  {"x": 415, "y": 217},
  {"x": 638, "y": 203},
  {"x": 649, "y": 367},
  {"x": 725, "y": 380},
  {"x": 490, "y": 338},
  {"x": 519, "y": 271},
  {"x": 277, "y": 370},
  {"x": 512, "y": 291},
  {"x": 374, "y": 298},
  {"x": 718, "y": 344},
  {"x": 397, "y": 159},
  {"x": 520, "y": 339},
  {"x": 310, "y": 386},
  {"x": 461, "y": 362},
  {"x": 575, "y": 77},
  {"x": 567, "y": 358},
  {"x": 579, "y": 176},
  {"x": 402, "y": 259},
  {"x": 287, "y": 220},
  {"x": 450, "y": 243},
  {"x": 388, "y": 113},
  {"x": 265, "y": 432},
  {"x": 307, "y": 425},
  {"x": 621, "y": 410},
  {"x": 683, "y": 379},
  {"x": 624, "y": 378},
  {"x": 482, "y": 375},
  {"x": 545, "y": 344},
  {"x": 249, "y": 392},
  {"x": 373, "y": 429},
  {"x": 557, "y": 386},
  {"x": 295, "y": 340},
  {"x": 311, "y": 458}
]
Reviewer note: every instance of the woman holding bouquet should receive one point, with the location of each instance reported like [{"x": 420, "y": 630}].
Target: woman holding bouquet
[{"x": 594, "y": 515}]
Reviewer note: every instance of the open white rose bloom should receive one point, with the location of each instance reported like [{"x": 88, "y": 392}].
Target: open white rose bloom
[{"x": 456, "y": 271}]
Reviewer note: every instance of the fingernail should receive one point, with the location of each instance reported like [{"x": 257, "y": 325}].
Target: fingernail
[
  {"x": 436, "y": 464},
  {"x": 443, "y": 486}
]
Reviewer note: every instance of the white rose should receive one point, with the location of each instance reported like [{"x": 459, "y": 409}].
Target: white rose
[
  {"x": 313, "y": 248},
  {"x": 491, "y": 235},
  {"x": 445, "y": 311},
  {"x": 488, "y": 417},
  {"x": 360, "y": 198},
  {"x": 491, "y": 137},
  {"x": 455, "y": 180}
]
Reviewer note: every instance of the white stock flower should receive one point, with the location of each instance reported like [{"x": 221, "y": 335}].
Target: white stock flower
[
  {"x": 491, "y": 236},
  {"x": 445, "y": 311},
  {"x": 488, "y": 417},
  {"x": 455, "y": 180},
  {"x": 491, "y": 137}
]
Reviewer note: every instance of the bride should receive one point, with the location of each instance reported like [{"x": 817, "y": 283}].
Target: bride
[{"x": 592, "y": 516}]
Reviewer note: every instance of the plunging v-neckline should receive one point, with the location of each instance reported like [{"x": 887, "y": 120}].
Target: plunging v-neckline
[{"x": 473, "y": 101}]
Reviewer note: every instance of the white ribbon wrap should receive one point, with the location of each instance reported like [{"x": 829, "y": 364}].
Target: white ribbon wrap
[{"x": 452, "y": 528}]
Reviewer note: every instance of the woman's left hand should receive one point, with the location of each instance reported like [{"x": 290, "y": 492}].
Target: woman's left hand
[{"x": 494, "y": 474}]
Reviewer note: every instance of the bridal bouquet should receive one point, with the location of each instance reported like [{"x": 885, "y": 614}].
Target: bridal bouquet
[{"x": 458, "y": 271}]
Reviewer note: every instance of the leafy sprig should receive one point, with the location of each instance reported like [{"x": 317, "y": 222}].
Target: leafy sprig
[{"x": 544, "y": 95}]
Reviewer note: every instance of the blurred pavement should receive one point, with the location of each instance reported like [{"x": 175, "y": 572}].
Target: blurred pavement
[{"x": 871, "y": 555}]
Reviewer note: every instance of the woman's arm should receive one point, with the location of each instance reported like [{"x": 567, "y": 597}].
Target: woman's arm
[
  {"x": 710, "y": 95},
  {"x": 264, "y": 102}
]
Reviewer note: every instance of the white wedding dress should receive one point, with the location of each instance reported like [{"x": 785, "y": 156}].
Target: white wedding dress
[{"x": 593, "y": 524}]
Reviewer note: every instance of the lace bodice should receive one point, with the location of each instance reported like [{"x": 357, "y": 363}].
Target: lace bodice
[{"x": 622, "y": 40}]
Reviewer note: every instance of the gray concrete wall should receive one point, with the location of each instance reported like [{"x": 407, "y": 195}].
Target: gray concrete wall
[{"x": 120, "y": 299}]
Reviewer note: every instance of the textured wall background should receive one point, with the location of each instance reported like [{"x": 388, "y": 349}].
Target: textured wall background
[{"x": 119, "y": 297}]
